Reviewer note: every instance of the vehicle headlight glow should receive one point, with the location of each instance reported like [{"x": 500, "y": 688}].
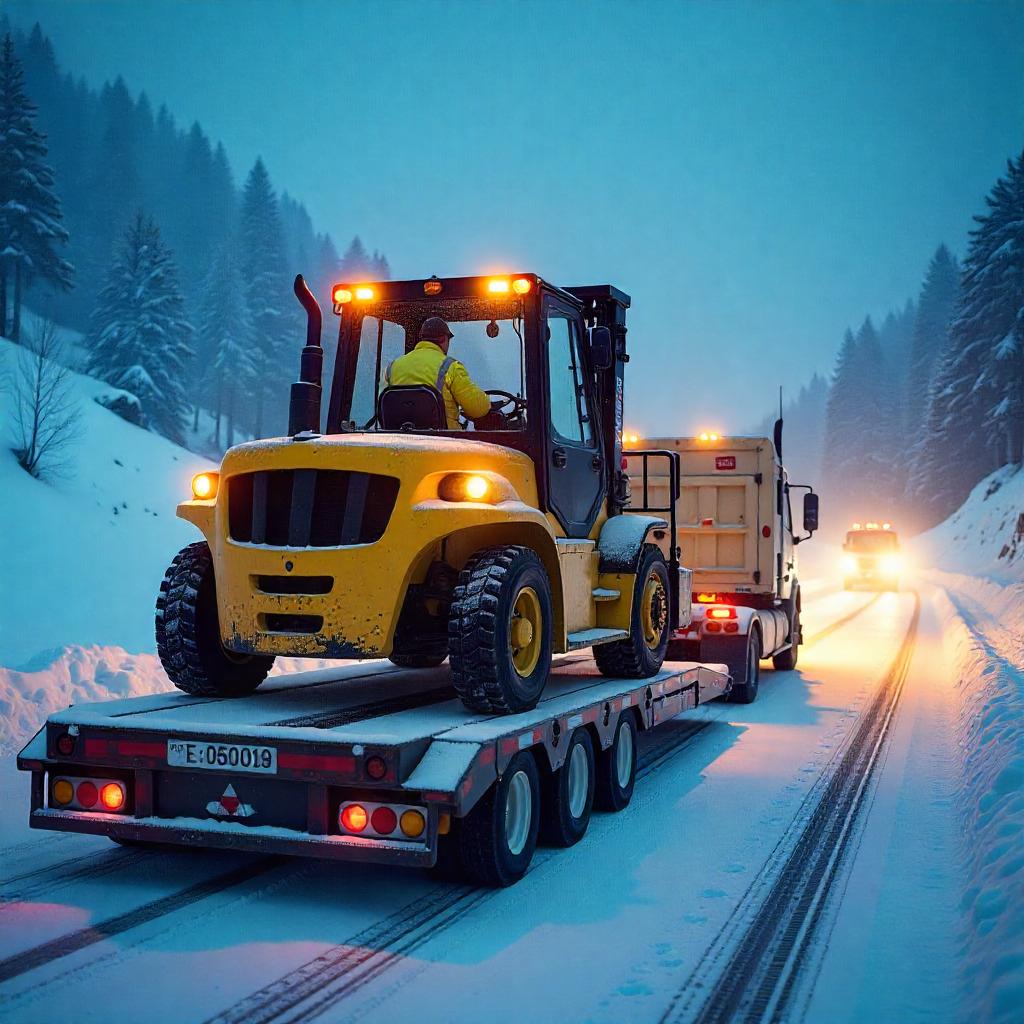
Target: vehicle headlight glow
[
  {"x": 204, "y": 485},
  {"x": 891, "y": 564},
  {"x": 849, "y": 563},
  {"x": 465, "y": 487}
]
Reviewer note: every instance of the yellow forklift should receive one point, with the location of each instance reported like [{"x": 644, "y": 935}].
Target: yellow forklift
[{"x": 383, "y": 533}]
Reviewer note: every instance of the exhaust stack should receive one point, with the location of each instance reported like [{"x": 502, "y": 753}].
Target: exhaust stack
[{"x": 304, "y": 406}]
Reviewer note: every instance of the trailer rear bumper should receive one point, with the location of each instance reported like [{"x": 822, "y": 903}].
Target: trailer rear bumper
[{"x": 251, "y": 839}]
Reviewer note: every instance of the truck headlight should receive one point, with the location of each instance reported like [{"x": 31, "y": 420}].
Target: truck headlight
[
  {"x": 891, "y": 564},
  {"x": 204, "y": 485},
  {"x": 849, "y": 564},
  {"x": 465, "y": 487}
]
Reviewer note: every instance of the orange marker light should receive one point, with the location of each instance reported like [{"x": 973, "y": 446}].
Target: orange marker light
[
  {"x": 432, "y": 287},
  {"x": 498, "y": 285},
  {"x": 112, "y": 796},
  {"x": 413, "y": 823},
  {"x": 63, "y": 792},
  {"x": 204, "y": 485},
  {"x": 707, "y": 598},
  {"x": 521, "y": 286},
  {"x": 341, "y": 295},
  {"x": 364, "y": 293}
]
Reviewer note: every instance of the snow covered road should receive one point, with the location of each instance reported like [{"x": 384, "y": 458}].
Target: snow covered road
[{"x": 649, "y": 918}]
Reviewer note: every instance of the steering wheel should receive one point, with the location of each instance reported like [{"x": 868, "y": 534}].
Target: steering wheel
[{"x": 514, "y": 402}]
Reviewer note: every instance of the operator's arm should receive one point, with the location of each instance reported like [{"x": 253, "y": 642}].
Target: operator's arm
[{"x": 473, "y": 402}]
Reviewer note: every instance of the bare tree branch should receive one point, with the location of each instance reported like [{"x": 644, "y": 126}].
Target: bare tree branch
[{"x": 45, "y": 409}]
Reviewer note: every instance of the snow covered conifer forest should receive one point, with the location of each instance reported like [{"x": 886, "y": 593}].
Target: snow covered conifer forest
[{"x": 95, "y": 234}]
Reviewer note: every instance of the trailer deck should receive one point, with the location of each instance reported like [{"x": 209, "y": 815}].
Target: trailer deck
[{"x": 269, "y": 772}]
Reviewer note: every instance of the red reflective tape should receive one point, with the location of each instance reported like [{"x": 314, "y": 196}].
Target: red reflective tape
[
  {"x": 343, "y": 765},
  {"x": 538, "y": 735},
  {"x": 510, "y": 746},
  {"x": 467, "y": 785},
  {"x": 486, "y": 756},
  {"x": 590, "y": 716},
  {"x": 96, "y": 748},
  {"x": 130, "y": 749}
]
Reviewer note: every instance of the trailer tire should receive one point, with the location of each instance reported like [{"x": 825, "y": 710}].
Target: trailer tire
[
  {"x": 502, "y": 599},
  {"x": 188, "y": 632},
  {"x": 616, "y": 767},
  {"x": 786, "y": 661},
  {"x": 642, "y": 653},
  {"x": 568, "y": 794},
  {"x": 498, "y": 837},
  {"x": 746, "y": 692}
]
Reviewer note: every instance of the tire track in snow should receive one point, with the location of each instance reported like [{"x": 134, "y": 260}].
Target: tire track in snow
[
  {"x": 832, "y": 627},
  {"x": 314, "y": 987},
  {"x": 757, "y": 957},
  {"x": 72, "y": 942},
  {"x": 30, "y": 884}
]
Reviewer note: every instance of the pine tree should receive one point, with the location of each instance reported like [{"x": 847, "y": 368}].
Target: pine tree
[
  {"x": 991, "y": 316},
  {"x": 266, "y": 289},
  {"x": 140, "y": 340},
  {"x": 935, "y": 307},
  {"x": 31, "y": 222},
  {"x": 222, "y": 336},
  {"x": 356, "y": 264}
]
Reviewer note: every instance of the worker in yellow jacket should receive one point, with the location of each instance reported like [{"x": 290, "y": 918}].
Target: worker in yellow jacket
[{"x": 429, "y": 363}]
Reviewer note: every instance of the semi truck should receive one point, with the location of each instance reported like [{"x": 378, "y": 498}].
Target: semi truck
[
  {"x": 734, "y": 529},
  {"x": 504, "y": 547},
  {"x": 872, "y": 557}
]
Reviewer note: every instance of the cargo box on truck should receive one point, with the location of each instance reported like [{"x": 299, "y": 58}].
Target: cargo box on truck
[{"x": 735, "y": 531}]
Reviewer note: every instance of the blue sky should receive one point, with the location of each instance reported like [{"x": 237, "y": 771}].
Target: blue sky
[{"x": 756, "y": 176}]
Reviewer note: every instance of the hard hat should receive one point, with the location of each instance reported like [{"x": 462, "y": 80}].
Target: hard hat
[{"x": 435, "y": 329}]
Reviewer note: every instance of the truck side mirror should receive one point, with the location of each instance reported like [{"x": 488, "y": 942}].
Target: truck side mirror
[
  {"x": 810, "y": 512},
  {"x": 600, "y": 348}
]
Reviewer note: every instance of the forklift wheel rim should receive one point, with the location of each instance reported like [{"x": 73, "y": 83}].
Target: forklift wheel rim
[
  {"x": 526, "y": 631},
  {"x": 518, "y": 812},
  {"x": 654, "y": 610}
]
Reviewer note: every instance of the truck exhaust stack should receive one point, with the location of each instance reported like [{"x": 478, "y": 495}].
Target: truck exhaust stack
[{"x": 304, "y": 406}]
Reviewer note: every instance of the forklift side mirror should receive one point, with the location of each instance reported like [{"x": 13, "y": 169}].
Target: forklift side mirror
[
  {"x": 600, "y": 348},
  {"x": 810, "y": 512}
]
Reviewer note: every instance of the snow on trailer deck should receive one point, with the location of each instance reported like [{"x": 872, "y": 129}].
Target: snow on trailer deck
[{"x": 323, "y": 728}]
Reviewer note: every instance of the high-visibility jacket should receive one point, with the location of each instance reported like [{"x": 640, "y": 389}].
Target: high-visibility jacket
[{"x": 427, "y": 364}]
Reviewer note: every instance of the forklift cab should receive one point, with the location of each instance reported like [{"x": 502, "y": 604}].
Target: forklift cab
[{"x": 543, "y": 354}]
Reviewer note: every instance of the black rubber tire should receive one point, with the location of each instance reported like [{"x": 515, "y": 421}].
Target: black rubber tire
[
  {"x": 632, "y": 658},
  {"x": 558, "y": 827},
  {"x": 483, "y": 848},
  {"x": 479, "y": 651},
  {"x": 610, "y": 794},
  {"x": 188, "y": 633},
  {"x": 786, "y": 661},
  {"x": 746, "y": 692},
  {"x": 425, "y": 660}
]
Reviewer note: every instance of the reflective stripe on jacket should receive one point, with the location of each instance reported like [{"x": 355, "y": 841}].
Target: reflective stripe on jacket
[{"x": 427, "y": 364}]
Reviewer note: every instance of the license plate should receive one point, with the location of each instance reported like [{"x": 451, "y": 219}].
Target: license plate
[{"x": 235, "y": 757}]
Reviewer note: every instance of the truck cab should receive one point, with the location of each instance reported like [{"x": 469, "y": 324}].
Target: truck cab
[
  {"x": 736, "y": 532},
  {"x": 871, "y": 557}
]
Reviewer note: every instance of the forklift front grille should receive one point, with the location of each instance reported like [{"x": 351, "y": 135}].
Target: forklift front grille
[{"x": 318, "y": 508}]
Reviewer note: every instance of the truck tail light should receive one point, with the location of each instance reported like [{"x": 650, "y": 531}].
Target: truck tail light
[
  {"x": 65, "y": 744},
  {"x": 354, "y": 818},
  {"x": 722, "y": 613},
  {"x": 86, "y": 793},
  {"x": 413, "y": 823},
  {"x": 382, "y": 821},
  {"x": 112, "y": 796},
  {"x": 106, "y": 795},
  {"x": 713, "y": 627}
]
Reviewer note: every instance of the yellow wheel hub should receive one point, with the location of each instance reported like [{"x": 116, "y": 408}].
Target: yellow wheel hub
[
  {"x": 653, "y": 610},
  {"x": 526, "y": 631}
]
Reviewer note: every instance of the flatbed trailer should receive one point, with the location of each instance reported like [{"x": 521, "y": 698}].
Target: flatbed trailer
[{"x": 365, "y": 762}]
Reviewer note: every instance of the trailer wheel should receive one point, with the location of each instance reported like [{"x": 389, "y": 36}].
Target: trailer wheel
[
  {"x": 498, "y": 837},
  {"x": 188, "y": 632},
  {"x": 786, "y": 661},
  {"x": 500, "y": 632},
  {"x": 641, "y": 654},
  {"x": 568, "y": 796},
  {"x": 616, "y": 767},
  {"x": 746, "y": 692}
]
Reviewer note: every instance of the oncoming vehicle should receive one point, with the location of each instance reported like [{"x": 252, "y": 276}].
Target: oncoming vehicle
[
  {"x": 391, "y": 533},
  {"x": 872, "y": 557}
]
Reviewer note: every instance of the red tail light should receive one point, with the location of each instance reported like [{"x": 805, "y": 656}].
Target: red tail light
[
  {"x": 376, "y": 767},
  {"x": 354, "y": 818},
  {"x": 86, "y": 794},
  {"x": 721, "y": 613},
  {"x": 384, "y": 821},
  {"x": 112, "y": 796}
]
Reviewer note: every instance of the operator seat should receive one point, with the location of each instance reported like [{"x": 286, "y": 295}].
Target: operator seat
[{"x": 410, "y": 407}]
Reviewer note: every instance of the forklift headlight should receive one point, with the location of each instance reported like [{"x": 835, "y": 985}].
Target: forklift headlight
[
  {"x": 204, "y": 485},
  {"x": 465, "y": 487}
]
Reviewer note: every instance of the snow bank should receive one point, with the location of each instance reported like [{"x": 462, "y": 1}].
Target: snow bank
[
  {"x": 985, "y": 536},
  {"x": 983, "y": 623},
  {"x": 84, "y": 553}
]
